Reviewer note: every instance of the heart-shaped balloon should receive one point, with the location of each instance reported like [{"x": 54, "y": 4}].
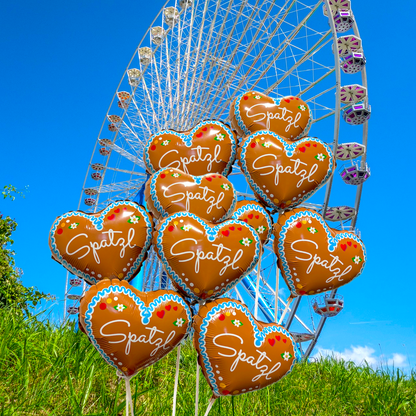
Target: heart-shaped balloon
[
  {"x": 133, "y": 329},
  {"x": 203, "y": 260},
  {"x": 289, "y": 117},
  {"x": 284, "y": 174},
  {"x": 312, "y": 257},
  {"x": 211, "y": 197},
  {"x": 237, "y": 353},
  {"x": 254, "y": 214},
  {"x": 210, "y": 147},
  {"x": 110, "y": 243}
]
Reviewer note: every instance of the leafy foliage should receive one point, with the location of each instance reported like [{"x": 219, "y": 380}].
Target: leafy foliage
[
  {"x": 13, "y": 294},
  {"x": 48, "y": 369}
]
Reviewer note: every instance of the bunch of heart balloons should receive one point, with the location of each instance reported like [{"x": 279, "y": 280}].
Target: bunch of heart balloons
[{"x": 207, "y": 242}]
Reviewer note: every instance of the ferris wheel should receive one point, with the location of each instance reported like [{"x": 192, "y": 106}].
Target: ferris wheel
[{"x": 190, "y": 65}]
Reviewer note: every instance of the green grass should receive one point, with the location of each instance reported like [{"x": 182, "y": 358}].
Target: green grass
[{"x": 50, "y": 370}]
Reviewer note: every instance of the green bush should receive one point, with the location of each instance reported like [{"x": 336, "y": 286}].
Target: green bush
[{"x": 13, "y": 294}]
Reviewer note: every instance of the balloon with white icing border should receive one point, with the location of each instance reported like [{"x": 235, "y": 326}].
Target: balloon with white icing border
[
  {"x": 237, "y": 353},
  {"x": 111, "y": 243},
  {"x": 209, "y": 147},
  {"x": 289, "y": 117},
  {"x": 132, "y": 329},
  {"x": 282, "y": 174},
  {"x": 205, "y": 260},
  {"x": 312, "y": 257},
  {"x": 211, "y": 196}
]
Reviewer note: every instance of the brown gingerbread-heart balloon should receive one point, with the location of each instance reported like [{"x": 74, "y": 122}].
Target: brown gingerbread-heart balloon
[
  {"x": 237, "y": 353},
  {"x": 312, "y": 257},
  {"x": 284, "y": 174},
  {"x": 211, "y": 197},
  {"x": 210, "y": 147},
  {"x": 205, "y": 260},
  {"x": 110, "y": 243},
  {"x": 254, "y": 214},
  {"x": 133, "y": 329},
  {"x": 289, "y": 117}
]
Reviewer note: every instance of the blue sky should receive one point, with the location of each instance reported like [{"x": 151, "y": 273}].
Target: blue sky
[{"x": 61, "y": 63}]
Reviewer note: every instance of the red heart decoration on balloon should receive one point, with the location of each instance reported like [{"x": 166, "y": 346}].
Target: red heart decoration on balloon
[
  {"x": 231, "y": 344},
  {"x": 105, "y": 244},
  {"x": 288, "y": 117},
  {"x": 261, "y": 222},
  {"x": 196, "y": 246},
  {"x": 191, "y": 151},
  {"x": 125, "y": 325},
  {"x": 313, "y": 258}
]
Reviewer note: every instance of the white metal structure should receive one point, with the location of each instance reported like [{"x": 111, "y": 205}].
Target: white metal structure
[{"x": 190, "y": 65}]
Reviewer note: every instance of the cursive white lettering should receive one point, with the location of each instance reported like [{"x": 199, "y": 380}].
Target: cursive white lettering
[{"x": 316, "y": 260}]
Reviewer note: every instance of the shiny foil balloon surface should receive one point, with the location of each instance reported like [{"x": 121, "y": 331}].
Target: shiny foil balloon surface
[
  {"x": 284, "y": 174},
  {"x": 210, "y": 147},
  {"x": 312, "y": 257},
  {"x": 237, "y": 353},
  {"x": 110, "y": 243},
  {"x": 203, "y": 260},
  {"x": 133, "y": 329},
  {"x": 211, "y": 197},
  {"x": 289, "y": 117},
  {"x": 254, "y": 214}
]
